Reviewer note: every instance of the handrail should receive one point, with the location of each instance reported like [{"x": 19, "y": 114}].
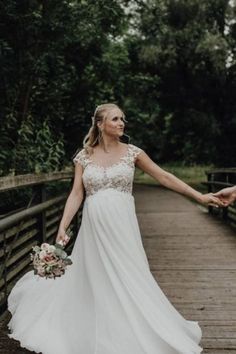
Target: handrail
[
  {"x": 15, "y": 218},
  {"x": 13, "y": 182},
  {"x": 222, "y": 170},
  {"x": 216, "y": 180},
  {"x": 35, "y": 224}
]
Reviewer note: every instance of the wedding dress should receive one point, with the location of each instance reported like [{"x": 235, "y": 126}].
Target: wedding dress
[{"x": 107, "y": 302}]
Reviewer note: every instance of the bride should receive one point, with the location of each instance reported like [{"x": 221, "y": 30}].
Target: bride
[{"x": 107, "y": 302}]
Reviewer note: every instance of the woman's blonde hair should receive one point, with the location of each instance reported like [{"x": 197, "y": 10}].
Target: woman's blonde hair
[{"x": 93, "y": 135}]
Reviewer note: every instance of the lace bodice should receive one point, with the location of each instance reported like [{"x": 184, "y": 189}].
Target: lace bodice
[{"x": 118, "y": 176}]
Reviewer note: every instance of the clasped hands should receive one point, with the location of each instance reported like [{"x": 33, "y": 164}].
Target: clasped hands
[
  {"x": 223, "y": 198},
  {"x": 227, "y": 195},
  {"x": 211, "y": 200}
]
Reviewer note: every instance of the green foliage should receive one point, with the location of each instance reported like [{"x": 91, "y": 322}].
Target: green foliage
[
  {"x": 169, "y": 64},
  {"x": 185, "y": 43},
  {"x": 51, "y": 56},
  {"x": 37, "y": 150}
]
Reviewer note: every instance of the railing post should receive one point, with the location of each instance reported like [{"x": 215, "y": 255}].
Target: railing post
[
  {"x": 5, "y": 269},
  {"x": 209, "y": 179},
  {"x": 77, "y": 216},
  {"x": 225, "y": 210},
  {"x": 42, "y": 217},
  {"x": 225, "y": 213}
]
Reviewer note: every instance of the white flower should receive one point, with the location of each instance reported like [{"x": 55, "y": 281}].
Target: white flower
[
  {"x": 45, "y": 246},
  {"x": 36, "y": 248},
  {"x": 51, "y": 248}
]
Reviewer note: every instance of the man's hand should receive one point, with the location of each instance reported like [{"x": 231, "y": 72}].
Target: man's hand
[
  {"x": 211, "y": 200},
  {"x": 227, "y": 195}
]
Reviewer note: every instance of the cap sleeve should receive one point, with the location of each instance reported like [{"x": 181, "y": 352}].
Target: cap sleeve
[
  {"x": 81, "y": 158},
  {"x": 135, "y": 150}
]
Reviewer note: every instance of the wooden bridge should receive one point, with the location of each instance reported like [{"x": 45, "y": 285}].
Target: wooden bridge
[{"x": 192, "y": 256}]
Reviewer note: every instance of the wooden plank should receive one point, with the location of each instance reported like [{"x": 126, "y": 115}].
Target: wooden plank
[
  {"x": 23, "y": 264},
  {"x": 219, "y": 343},
  {"x": 22, "y": 252},
  {"x": 13, "y": 230},
  {"x": 26, "y": 180},
  {"x": 51, "y": 232},
  {"x": 216, "y": 351},
  {"x": 13, "y": 219},
  {"x": 54, "y": 210},
  {"x": 22, "y": 239},
  {"x": 222, "y": 170},
  {"x": 218, "y": 183},
  {"x": 53, "y": 220}
]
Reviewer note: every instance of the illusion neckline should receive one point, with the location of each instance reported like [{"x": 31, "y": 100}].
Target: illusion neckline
[{"x": 119, "y": 161}]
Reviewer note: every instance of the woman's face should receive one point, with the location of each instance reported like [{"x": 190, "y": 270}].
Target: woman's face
[{"x": 114, "y": 123}]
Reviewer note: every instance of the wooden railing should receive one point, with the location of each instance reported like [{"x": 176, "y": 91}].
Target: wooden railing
[
  {"x": 216, "y": 180},
  {"x": 31, "y": 224}
]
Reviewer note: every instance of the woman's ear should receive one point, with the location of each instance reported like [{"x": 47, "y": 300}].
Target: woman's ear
[{"x": 99, "y": 125}]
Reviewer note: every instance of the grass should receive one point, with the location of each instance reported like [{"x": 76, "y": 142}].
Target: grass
[{"x": 192, "y": 175}]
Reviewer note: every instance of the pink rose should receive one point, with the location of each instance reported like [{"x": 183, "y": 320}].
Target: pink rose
[
  {"x": 49, "y": 257},
  {"x": 42, "y": 254}
]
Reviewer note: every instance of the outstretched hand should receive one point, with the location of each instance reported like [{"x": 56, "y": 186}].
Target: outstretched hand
[
  {"x": 211, "y": 200},
  {"x": 226, "y": 195}
]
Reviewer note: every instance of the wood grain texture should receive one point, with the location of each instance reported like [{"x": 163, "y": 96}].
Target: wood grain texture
[{"x": 192, "y": 256}]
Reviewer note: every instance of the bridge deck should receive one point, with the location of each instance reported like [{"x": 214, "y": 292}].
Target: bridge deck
[{"x": 193, "y": 258}]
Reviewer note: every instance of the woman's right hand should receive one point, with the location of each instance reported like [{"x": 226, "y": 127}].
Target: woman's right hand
[
  {"x": 62, "y": 238},
  {"x": 210, "y": 200}
]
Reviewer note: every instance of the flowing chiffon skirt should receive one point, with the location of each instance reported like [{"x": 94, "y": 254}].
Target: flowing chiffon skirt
[{"x": 107, "y": 302}]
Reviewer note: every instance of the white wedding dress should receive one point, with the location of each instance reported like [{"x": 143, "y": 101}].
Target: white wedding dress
[{"x": 107, "y": 302}]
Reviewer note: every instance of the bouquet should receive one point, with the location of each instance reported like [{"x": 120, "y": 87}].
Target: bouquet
[{"x": 49, "y": 261}]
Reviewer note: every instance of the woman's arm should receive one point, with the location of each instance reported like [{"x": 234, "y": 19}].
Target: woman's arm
[
  {"x": 72, "y": 204},
  {"x": 170, "y": 181}
]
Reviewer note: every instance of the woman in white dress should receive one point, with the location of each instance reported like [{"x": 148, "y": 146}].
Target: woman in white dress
[{"x": 107, "y": 302}]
